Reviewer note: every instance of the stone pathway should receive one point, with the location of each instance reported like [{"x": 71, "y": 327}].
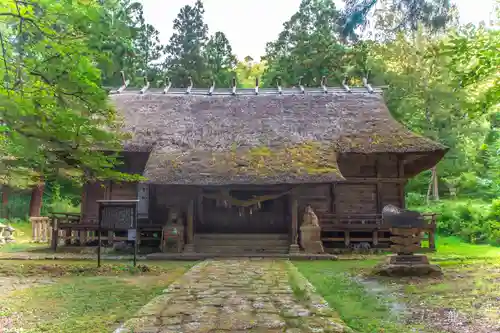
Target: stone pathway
[{"x": 239, "y": 295}]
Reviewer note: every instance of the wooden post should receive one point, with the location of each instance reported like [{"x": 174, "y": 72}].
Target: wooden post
[
  {"x": 190, "y": 230},
  {"x": 375, "y": 238},
  {"x": 55, "y": 234},
  {"x": 379, "y": 202},
  {"x": 401, "y": 186},
  {"x": 294, "y": 214},
  {"x": 334, "y": 202},
  {"x": 347, "y": 239},
  {"x": 432, "y": 235},
  {"x": 199, "y": 210}
]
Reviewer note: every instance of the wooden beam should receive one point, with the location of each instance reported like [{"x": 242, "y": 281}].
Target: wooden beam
[{"x": 372, "y": 180}]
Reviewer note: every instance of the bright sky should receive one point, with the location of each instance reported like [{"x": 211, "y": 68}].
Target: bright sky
[{"x": 249, "y": 25}]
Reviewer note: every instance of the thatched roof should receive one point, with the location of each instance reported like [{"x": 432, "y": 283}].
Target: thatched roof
[{"x": 267, "y": 138}]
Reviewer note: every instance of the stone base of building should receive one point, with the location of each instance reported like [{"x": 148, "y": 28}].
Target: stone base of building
[{"x": 407, "y": 265}]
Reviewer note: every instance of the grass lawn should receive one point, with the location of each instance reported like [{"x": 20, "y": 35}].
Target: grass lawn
[
  {"x": 466, "y": 299},
  {"x": 75, "y": 296}
]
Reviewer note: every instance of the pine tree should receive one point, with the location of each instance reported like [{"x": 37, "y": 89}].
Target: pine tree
[
  {"x": 221, "y": 60},
  {"x": 185, "y": 51},
  {"x": 147, "y": 47},
  {"x": 404, "y": 15},
  {"x": 308, "y": 46}
]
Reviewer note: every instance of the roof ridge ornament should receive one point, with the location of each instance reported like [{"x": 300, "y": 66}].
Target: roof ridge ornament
[
  {"x": 367, "y": 85},
  {"x": 146, "y": 85},
  {"x": 278, "y": 85},
  {"x": 168, "y": 85},
  {"x": 125, "y": 84},
  {"x": 256, "y": 85},
  {"x": 323, "y": 84},
  {"x": 344, "y": 84},
  {"x": 211, "y": 89},
  {"x": 233, "y": 86},
  {"x": 188, "y": 90},
  {"x": 302, "y": 90}
]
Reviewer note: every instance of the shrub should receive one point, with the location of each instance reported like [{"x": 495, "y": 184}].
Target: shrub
[{"x": 472, "y": 221}]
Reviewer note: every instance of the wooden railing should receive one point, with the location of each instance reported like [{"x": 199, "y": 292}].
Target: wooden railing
[
  {"x": 69, "y": 229},
  {"x": 367, "y": 223},
  {"x": 41, "y": 229}
]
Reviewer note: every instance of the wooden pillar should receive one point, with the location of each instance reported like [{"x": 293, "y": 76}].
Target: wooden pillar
[
  {"x": 333, "y": 189},
  {"x": 347, "y": 239},
  {"x": 378, "y": 186},
  {"x": 190, "y": 227},
  {"x": 375, "y": 238},
  {"x": 294, "y": 213},
  {"x": 401, "y": 174},
  {"x": 83, "y": 204},
  {"x": 199, "y": 206}
]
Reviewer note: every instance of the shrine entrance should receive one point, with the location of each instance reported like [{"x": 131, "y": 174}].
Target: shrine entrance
[{"x": 243, "y": 211}]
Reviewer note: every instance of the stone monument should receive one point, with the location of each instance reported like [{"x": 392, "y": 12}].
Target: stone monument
[
  {"x": 9, "y": 234},
  {"x": 310, "y": 233},
  {"x": 406, "y": 234}
]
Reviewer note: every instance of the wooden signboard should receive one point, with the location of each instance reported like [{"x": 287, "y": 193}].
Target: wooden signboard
[{"x": 117, "y": 215}]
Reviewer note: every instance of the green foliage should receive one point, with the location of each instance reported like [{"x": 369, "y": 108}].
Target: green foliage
[
  {"x": 248, "y": 71},
  {"x": 221, "y": 60},
  {"x": 308, "y": 46},
  {"x": 404, "y": 15},
  {"x": 56, "y": 198},
  {"x": 51, "y": 99},
  {"x": 185, "y": 51},
  {"x": 473, "y": 221}
]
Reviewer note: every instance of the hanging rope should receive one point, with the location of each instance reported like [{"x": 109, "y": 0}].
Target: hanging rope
[{"x": 224, "y": 196}]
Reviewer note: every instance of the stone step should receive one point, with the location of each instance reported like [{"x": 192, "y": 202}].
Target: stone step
[
  {"x": 241, "y": 249},
  {"x": 242, "y": 242},
  {"x": 198, "y": 236}
]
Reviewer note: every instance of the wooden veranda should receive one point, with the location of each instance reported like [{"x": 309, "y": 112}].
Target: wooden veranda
[{"x": 338, "y": 231}]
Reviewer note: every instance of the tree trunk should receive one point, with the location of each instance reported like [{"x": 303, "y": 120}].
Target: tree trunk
[
  {"x": 429, "y": 189},
  {"x": 435, "y": 190},
  {"x": 36, "y": 199}
]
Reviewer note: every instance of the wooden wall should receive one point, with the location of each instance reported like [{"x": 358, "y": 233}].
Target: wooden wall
[
  {"x": 92, "y": 191},
  {"x": 371, "y": 183},
  {"x": 164, "y": 198}
]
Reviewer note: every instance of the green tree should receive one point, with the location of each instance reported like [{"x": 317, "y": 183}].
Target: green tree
[
  {"x": 400, "y": 15},
  {"x": 147, "y": 46},
  {"x": 248, "y": 71},
  {"x": 185, "y": 51},
  {"x": 308, "y": 46},
  {"x": 57, "y": 121},
  {"x": 220, "y": 58}
]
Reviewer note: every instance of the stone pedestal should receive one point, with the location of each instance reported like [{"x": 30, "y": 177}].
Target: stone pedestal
[
  {"x": 310, "y": 239},
  {"x": 9, "y": 234},
  {"x": 407, "y": 265},
  {"x": 2, "y": 228}
]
